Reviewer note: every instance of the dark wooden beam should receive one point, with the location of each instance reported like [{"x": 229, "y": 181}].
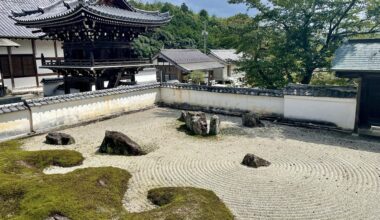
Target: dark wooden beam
[
  {"x": 35, "y": 64},
  {"x": 9, "y": 50}
]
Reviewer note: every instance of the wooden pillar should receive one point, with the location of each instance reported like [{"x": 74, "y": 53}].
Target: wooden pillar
[
  {"x": 358, "y": 100},
  {"x": 34, "y": 57},
  {"x": 2, "y": 82},
  {"x": 9, "y": 49},
  {"x": 56, "y": 53},
  {"x": 66, "y": 84},
  {"x": 55, "y": 49}
]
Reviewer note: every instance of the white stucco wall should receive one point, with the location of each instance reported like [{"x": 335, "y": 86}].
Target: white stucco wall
[
  {"x": 340, "y": 111},
  {"x": 260, "y": 104},
  {"x": 26, "y": 82},
  {"x": 47, "y": 117},
  {"x": 42, "y": 46},
  {"x": 14, "y": 124}
]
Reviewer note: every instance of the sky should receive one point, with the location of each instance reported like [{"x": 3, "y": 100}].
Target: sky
[{"x": 220, "y": 8}]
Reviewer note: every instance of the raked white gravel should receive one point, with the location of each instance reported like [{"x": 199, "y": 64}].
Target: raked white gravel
[{"x": 314, "y": 174}]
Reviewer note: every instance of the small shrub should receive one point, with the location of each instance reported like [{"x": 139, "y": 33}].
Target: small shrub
[{"x": 196, "y": 77}]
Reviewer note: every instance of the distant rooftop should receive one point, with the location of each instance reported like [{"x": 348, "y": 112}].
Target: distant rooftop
[
  {"x": 359, "y": 55},
  {"x": 189, "y": 59},
  {"x": 8, "y": 29},
  {"x": 226, "y": 56},
  {"x": 114, "y": 11}
]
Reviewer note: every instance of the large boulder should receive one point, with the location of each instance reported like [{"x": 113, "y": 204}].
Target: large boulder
[
  {"x": 120, "y": 144},
  {"x": 196, "y": 122},
  {"x": 199, "y": 125},
  {"x": 250, "y": 160},
  {"x": 251, "y": 120},
  {"x": 56, "y": 138},
  {"x": 183, "y": 116},
  {"x": 214, "y": 125}
]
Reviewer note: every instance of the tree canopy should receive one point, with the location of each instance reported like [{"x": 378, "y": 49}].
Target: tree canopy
[
  {"x": 289, "y": 39},
  {"x": 285, "y": 42},
  {"x": 184, "y": 30}
]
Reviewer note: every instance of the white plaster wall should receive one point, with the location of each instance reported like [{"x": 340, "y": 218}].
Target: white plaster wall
[
  {"x": 260, "y": 104},
  {"x": 47, "y": 117},
  {"x": 25, "y": 82},
  {"x": 14, "y": 124},
  {"x": 46, "y": 47},
  {"x": 59, "y": 49},
  {"x": 220, "y": 74},
  {"x": 340, "y": 111}
]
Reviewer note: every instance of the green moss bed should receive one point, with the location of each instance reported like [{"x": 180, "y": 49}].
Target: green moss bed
[{"x": 91, "y": 193}]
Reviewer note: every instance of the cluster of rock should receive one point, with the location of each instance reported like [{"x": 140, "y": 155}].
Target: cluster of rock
[
  {"x": 117, "y": 143},
  {"x": 251, "y": 160},
  {"x": 56, "y": 138},
  {"x": 114, "y": 143},
  {"x": 251, "y": 120},
  {"x": 196, "y": 123}
]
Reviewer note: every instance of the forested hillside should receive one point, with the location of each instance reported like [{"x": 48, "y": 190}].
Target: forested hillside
[{"x": 185, "y": 29}]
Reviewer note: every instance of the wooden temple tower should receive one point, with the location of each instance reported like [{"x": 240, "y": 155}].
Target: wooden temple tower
[{"x": 96, "y": 36}]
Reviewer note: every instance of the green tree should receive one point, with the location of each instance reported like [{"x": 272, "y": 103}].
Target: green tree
[
  {"x": 203, "y": 14},
  {"x": 184, "y": 7},
  {"x": 196, "y": 77},
  {"x": 184, "y": 30},
  {"x": 298, "y": 36}
]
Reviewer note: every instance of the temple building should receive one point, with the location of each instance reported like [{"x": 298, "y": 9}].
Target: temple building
[
  {"x": 96, "y": 36},
  {"x": 20, "y": 65},
  {"x": 360, "y": 59}
]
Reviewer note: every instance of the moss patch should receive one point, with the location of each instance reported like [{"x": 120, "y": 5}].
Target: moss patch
[{"x": 91, "y": 193}]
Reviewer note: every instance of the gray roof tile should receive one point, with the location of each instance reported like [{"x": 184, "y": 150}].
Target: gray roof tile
[
  {"x": 358, "y": 56},
  {"x": 189, "y": 59},
  {"x": 63, "y": 8},
  {"x": 8, "y": 29}
]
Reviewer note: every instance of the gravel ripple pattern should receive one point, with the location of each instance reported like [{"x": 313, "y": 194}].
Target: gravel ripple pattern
[{"x": 314, "y": 174}]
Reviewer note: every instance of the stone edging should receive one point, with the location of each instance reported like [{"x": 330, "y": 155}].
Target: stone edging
[
  {"x": 321, "y": 91},
  {"x": 92, "y": 94},
  {"x": 242, "y": 91},
  {"x": 14, "y": 107},
  {"x": 314, "y": 91}
]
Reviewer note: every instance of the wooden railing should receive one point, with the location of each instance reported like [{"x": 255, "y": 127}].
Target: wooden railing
[{"x": 56, "y": 62}]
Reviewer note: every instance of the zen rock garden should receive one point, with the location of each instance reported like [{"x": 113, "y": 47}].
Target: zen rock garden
[{"x": 251, "y": 170}]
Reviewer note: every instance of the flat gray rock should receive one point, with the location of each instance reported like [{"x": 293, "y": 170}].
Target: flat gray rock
[
  {"x": 56, "y": 138},
  {"x": 251, "y": 160}
]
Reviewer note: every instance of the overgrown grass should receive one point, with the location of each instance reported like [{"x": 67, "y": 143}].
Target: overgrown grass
[{"x": 91, "y": 193}]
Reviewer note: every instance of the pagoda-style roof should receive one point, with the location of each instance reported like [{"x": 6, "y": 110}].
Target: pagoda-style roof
[{"x": 118, "y": 12}]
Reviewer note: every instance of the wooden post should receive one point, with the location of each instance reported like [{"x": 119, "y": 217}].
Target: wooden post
[
  {"x": 9, "y": 49},
  {"x": 66, "y": 84},
  {"x": 358, "y": 100},
  {"x": 55, "y": 49},
  {"x": 2, "y": 83},
  {"x": 34, "y": 57}
]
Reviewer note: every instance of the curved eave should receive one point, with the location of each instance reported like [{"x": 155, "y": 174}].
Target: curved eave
[{"x": 102, "y": 17}]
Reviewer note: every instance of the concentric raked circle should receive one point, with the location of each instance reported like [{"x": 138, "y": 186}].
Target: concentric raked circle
[{"x": 313, "y": 175}]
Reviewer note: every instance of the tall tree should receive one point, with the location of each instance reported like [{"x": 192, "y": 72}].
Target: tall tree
[{"x": 305, "y": 33}]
